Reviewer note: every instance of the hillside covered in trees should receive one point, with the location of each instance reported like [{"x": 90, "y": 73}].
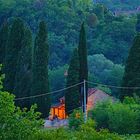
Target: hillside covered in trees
[
  {"x": 120, "y": 5},
  {"x": 109, "y": 37}
]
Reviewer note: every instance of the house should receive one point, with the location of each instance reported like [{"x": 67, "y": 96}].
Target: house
[
  {"x": 94, "y": 96},
  {"x": 58, "y": 110}
]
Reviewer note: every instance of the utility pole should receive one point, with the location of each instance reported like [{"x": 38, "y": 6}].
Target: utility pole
[{"x": 85, "y": 104}]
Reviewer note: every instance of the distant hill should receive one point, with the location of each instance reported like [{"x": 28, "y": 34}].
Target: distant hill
[{"x": 120, "y": 5}]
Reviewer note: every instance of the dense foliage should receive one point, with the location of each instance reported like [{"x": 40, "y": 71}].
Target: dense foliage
[
  {"x": 23, "y": 78},
  {"x": 105, "y": 71},
  {"x": 83, "y": 69},
  {"x": 85, "y": 132},
  {"x": 62, "y": 44},
  {"x": 76, "y": 119},
  {"x": 132, "y": 75},
  {"x": 138, "y": 23},
  {"x": 19, "y": 125},
  {"x": 105, "y": 39},
  {"x": 40, "y": 80},
  {"x": 25, "y": 66},
  {"x": 72, "y": 95},
  {"x": 120, "y": 5},
  {"x": 106, "y": 34},
  {"x": 13, "y": 47},
  {"x": 3, "y": 41},
  {"x": 122, "y": 118},
  {"x": 58, "y": 80},
  {"x": 16, "y": 124}
]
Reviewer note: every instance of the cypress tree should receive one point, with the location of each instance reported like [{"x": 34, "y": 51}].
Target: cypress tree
[
  {"x": 82, "y": 49},
  {"x": 3, "y": 41},
  {"x": 138, "y": 23},
  {"x": 15, "y": 42},
  {"x": 72, "y": 95},
  {"x": 40, "y": 83},
  {"x": 132, "y": 70},
  {"x": 22, "y": 86}
]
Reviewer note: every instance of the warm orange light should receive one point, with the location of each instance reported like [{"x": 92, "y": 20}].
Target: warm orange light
[
  {"x": 59, "y": 111},
  {"x": 77, "y": 115}
]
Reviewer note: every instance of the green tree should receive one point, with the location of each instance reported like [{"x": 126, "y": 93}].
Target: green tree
[
  {"x": 138, "y": 23},
  {"x": 22, "y": 86},
  {"x": 82, "y": 49},
  {"x": 14, "y": 45},
  {"x": 113, "y": 35},
  {"x": 76, "y": 119},
  {"x": 123, "y": 119},
  {"x": 118, "y": 117},
  {"x": 132, "y": 75},
  {"x": 15, "y": 123},
  {"x": 72, "y": 95},
  {"x": 60, "y": 74},
  {"x": 3, "y": 41},
  {"x": 40, "y": 79}
]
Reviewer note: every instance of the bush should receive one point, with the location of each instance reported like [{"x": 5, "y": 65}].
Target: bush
[
  {"x": 85, "y": 132},
  {"x": 131, "y": 137},
  {"x": 53, "y": 134},
  {"x": 122, "y": 118},
  {"x": 100, "y": 115},
  {"x": 76, "y": 119},
  {"x": 16, "y": 124}
]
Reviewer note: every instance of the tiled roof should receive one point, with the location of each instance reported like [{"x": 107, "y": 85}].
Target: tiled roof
[
  {"x": 91, "y": 91},
  {"x": 99, "y": 95}
]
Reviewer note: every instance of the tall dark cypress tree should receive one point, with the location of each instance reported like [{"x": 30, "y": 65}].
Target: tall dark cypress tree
[
  {"x": 72, "y": 95},
  {"x": 23, "y": 77},
  {"x": 82, "y": 49},
  {"x": 40, "y": 83},
  {"x": 3, "y": 41},
  {"x": 15, "y": 42},
  {"x": 132, "y": 70},
  {"x": 138, "y": 23}
]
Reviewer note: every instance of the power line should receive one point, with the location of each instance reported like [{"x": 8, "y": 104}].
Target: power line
[
  {"x": 76, "y": 108},
  {"x": 40, "y": 95},
  {"x": 89, "y": 82},
  {"x": 111, "y": 86}
]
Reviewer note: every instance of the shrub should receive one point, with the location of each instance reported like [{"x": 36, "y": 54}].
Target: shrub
[
  {"x": 131, "y": 137},
  {"x": 52, "y": 134},
  {"x": 85, "y": 132},
  {"x": 76, "y": 119},
  {"x": 100, "y": 114},
  {"x": 16, "y": 124},
  {"x": 122, "y": 118}
]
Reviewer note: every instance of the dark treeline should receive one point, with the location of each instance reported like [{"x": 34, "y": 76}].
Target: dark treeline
[
  {"x": 120, "y": 5},
  {"x": 26, "y": 65}
]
